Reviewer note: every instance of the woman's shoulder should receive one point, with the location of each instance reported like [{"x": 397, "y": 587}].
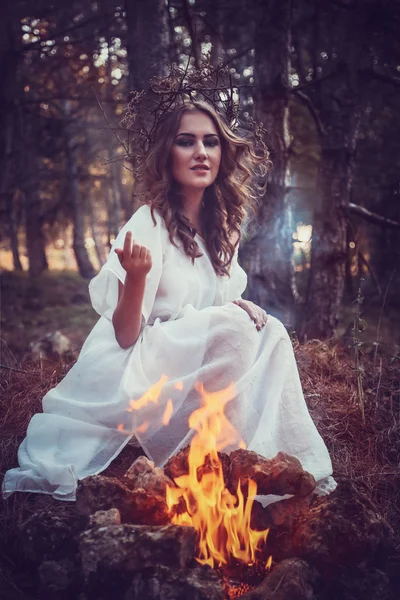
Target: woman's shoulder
[{"x": 144, "y": 215}]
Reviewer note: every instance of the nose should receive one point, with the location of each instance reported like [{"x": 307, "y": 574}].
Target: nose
[{"x": 201, "y": 150}]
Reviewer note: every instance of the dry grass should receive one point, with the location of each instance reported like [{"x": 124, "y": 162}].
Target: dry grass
[{"x": 367, "y": 454}]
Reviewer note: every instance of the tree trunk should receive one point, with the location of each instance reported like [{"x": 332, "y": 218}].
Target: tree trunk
[
  {"x": 82, "y": 258},
  {"x": 7, "y": 189},
  {"x": 30, "y": 187},
  {"x": 328, "y": 249},
  {"x": 13, "y": 231},
  {"x": 338, "y": 104},
  {"x": 147, "y": 41},
  {"x": 10, "y": 58},
  {"x": 35, "y": 242},
  {"x": 115, "y": 216},
  {"x": 267, "y": 256},
  {"x": 96, "y": 231}
]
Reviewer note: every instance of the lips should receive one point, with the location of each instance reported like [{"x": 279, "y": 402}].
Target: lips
[{"x": 200, "y": 168}]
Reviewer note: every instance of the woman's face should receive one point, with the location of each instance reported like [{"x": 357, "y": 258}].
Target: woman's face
[{"x": 196, "y": 151}]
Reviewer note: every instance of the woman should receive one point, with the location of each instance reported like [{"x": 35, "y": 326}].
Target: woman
[{"x": 172, "y": 316}]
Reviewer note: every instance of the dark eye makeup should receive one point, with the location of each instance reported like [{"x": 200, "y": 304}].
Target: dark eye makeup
[{"x": 186, "y": 142}]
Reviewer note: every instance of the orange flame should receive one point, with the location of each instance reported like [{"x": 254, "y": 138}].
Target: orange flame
[
  {"x": 168, "y": 412},
  {"x": 222, "y": 519},
  {"x": 152, "y": 395}
]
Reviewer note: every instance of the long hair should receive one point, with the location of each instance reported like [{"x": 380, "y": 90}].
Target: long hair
[{"x": 225, "y": 202}]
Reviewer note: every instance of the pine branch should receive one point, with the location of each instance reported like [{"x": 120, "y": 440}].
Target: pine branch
[
  {"x": 384, "y": 77},
  {"x": 372, "y": 217}
]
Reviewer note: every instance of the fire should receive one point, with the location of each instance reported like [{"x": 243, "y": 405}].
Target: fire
[
  {"x": 221, "y": 518},
  {"x": 151, "y": 396}
]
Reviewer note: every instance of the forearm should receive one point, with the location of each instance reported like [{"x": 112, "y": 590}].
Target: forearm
[{"x": 127, "y": 316}]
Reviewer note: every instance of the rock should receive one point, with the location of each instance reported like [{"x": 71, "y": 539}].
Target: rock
[
  {"x": 46, "y": 535},
  {"x": 137, "y": 506},
  {"x": 279, "y": 518},
  {"x": 97, "y": 492},
  {"x": 139, "y": 467},
  {"x": 51, "y": 347},
  {"x": 103, "y": 518},
  {"x": 112, "y": 555},
  {"x": 291, "y": 579},
  {"x": 148, "y": 508},
  {"x": 363, "y": 581},
  {"x": 143, "y": 474},
  {"x": 162, "y": 583},
  {"x": 280, "y": 475},
  {"x": 178, "y": 465},
  {"x": 137, "y": 547},
  {"x": 340, "y": 529},
  {"x": 58, "y": 576}
]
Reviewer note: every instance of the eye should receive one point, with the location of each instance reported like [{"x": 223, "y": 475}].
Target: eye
[
  {"x": 185, "y": 142},
  {"x": 212, "y": 142}
]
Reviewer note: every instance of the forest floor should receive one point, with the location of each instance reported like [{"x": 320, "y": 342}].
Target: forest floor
[{"x": 366, "y": 453}]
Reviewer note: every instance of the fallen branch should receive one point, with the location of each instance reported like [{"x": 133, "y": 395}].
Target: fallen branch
[{"x": 372, "y": 217}]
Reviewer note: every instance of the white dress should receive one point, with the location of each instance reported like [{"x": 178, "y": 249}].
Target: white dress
[{"x": 191, "y": 332}]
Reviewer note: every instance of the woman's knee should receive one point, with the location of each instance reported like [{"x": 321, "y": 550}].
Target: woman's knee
[{"x": 278, "y": 328}]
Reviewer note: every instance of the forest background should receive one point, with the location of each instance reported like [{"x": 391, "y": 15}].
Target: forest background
[{"x": 323, "y": 76}]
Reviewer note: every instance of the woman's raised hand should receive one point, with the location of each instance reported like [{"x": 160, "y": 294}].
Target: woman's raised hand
[{"x": 135, "y": 258}]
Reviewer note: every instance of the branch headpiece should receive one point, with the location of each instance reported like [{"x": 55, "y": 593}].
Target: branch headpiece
[{"x": 211, "y": 84}]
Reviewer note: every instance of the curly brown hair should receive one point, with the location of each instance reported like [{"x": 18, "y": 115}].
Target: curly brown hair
[{"x": 225, "y": 203}]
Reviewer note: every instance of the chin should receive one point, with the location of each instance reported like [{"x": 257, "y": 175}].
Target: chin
[
  {"x": 204, "y": 183},
  {"x": 198, "y": 185}
]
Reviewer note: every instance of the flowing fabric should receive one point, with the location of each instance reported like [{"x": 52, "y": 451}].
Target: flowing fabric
[{"x": 191, "y": 332}]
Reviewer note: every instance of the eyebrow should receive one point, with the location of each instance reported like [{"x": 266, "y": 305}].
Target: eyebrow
[{"x": 193, "y": 135}]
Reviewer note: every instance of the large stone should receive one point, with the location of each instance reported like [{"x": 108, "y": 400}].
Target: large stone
[
  {"x": 178, "y": 465},
  {"x": 112, "y": 555},
  {"x": 162, "y": 583},
  {"x": 103, "y": 518},
  {"x": 102, "y": 493},
  {"x": 280, "y": 518},
  {"x": 148, "y": 508},
  {"x": 136, "y": 506},
  {"x": 342, "y": 528},
  {"x": 58, "y": 575},
  {"x": 361, "y": 582},
  {"x": 280, "y": 475},
  {"x": 291, "y": 579},
  {"x": 47, "y": 535},
  {"x": 143, "y": 474}
]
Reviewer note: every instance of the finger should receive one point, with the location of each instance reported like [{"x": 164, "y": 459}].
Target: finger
[
  {"x": 143, "y": 251},
  {"x": 259, "y": 320},
  {"x": 128, "y": 243},
  {"x": 136, "y": 250},
  {"x": 264, "y": 319}
]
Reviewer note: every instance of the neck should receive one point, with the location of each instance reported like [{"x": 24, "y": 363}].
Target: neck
[{"x": 191, "y": 205}]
